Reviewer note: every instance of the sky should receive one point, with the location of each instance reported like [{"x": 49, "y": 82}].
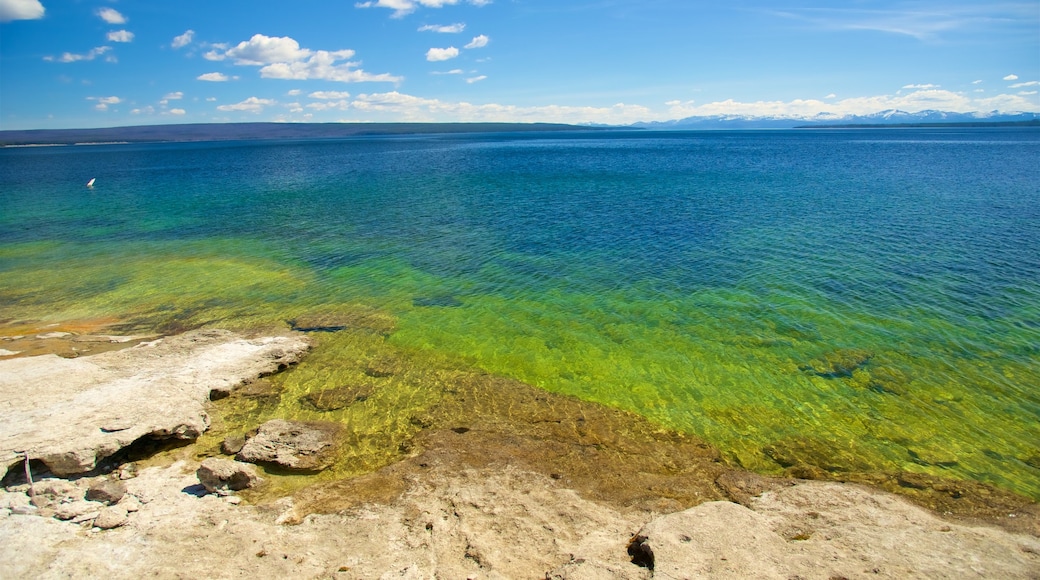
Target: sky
[{"x": 108, "y": 63}]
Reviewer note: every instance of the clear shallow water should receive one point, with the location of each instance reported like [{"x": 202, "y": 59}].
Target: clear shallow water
[{"x": 857, "y": 300}]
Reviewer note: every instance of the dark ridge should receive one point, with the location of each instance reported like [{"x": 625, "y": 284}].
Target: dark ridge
[{"x": 261, "y": 131}]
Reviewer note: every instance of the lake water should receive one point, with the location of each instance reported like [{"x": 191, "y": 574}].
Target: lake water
[{"x": 864, "y": 300}]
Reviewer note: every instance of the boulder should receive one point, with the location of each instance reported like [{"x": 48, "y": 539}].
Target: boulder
[
  {"x": 293, "y": 445},
  {"x": 223, "y": 475},
  {"x": 108, "y": 491}
]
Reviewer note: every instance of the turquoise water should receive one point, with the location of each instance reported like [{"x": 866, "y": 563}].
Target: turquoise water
[{"x": 862, "y": 300}]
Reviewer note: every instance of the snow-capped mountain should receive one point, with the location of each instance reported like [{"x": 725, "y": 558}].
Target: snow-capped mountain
[{"x": 888, "y": 117}]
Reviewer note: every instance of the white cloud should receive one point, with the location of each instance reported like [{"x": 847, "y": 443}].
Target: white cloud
[
  {"x": 978, "y": 82},
  {"x": 329, "y": 95},
  {"x": 213, "y": 77},
  {"x": 1011, "y": 78},
  {"x": 171, "y": 97},
  {"x": 211, "y": 99},
  {"x": 294, "y": 92},
  {"x": 454, "y": 71},
  {"x": 402, "y": 8},
  {"x": 149, "y": 110},
  {"x": 398, "y": 106},
  {"x": 283, "y": 58},
  {"x": 111, "y": 16},
  {"x": 444, "y": 28},
  {"x": 831, "y": 96},
  {"x": 925, "y": 87},
  {"x": 1026, "y": 93},
  {"x": 216, "y": 53},
  {"x": 341, "y": 105},
  {"x": 183, "y": 40},
  {"x": 120, "y": 36},
  {"x": 476, "y": 79},
  {"x": 177, "y": 112},
  {"x": 104, "y": 102},
  {"x": 70, "y": 57},
  {"x": 20, "y": 10},
  {"x": 252, "y": 105},
  {"x": 441, "y": 54},
  {"x": 1025, "y": 84},
  {"x": 478, "y": 42}
]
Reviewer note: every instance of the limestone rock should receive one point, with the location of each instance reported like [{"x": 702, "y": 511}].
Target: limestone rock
[
  {"x": 223, "y": 475},
  {"x": 108, "y": 491},
  {"x": 111, "y": 517},
  {"x": 292, "y": 444},
  {"x": 76, "y": 509},
  {"x": 71, "y": 413}
]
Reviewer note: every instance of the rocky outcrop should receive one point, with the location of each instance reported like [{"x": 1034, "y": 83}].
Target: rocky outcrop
[
  {"x": 71, "y": 413},
  {"x": 223, "y": 475},
  {"x": 293, "y": 445}
]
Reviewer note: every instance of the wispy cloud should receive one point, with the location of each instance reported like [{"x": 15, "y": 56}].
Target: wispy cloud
[
  {"x": 444, "y": 29},
  {"x": 1025, "y": 84},
  {"x": 403, "y": 8},
  {"x": 921, "y": 87},
  {"x": 71, "y": 57},
  {"x": 283, "y": 58},
  {"x": 478, "y": 42},
  {"x": 111, "y": 16},
  {"x": 20, "y": 10},
  {"x": 926, "y": 21},
  {"x": 183, "y": 40},
  {"x": 476, "y": 79},
  {"x": 441, "y": 54},
  {"x": 250, "y": 105},
  {"x": 329, "y": 95}
]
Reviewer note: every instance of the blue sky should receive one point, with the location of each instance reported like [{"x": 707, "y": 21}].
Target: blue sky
[{"x": 101, "y": 63}]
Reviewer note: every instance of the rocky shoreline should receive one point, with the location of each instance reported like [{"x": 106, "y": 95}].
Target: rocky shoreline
[{"x": 553, "y": 498}]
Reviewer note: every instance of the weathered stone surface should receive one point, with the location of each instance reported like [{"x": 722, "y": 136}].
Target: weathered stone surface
[
  {"x": 108, "y": 491},
  {"x": 71, "y": 413},
  {"x": 111, "y": 517},
  {"x": 222, "y": 475},
  {"x": 292, "y": 445},
  {"x": 232, "y": 444},
  {"x": 76, "y": 509}
]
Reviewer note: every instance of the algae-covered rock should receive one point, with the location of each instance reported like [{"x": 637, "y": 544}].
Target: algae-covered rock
[
  {"x": 337, "y": 398},
  {"x": 804, "y": 457},
  {"x": 838, "y": 363},
  {"x": 292, "y": 445},
  {"x": 359, "y": 318}
]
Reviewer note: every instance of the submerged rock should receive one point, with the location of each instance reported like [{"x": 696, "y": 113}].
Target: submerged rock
[
  {"x": 838, "y": 363},
  {"x": 292, "y": 445},
  {"x": 337, "y": 398},
  {"x": 223, "y": 475}
]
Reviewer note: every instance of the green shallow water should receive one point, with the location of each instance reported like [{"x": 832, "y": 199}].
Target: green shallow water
[{"x": 855, "y": 301}]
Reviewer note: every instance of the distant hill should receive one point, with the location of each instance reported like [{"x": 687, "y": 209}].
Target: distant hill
[
  {"x": 881, "y": 119},
  {"x": 254, "y": 131}
]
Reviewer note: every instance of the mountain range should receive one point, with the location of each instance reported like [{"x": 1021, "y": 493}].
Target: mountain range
[{"x": 882, "y": 118}]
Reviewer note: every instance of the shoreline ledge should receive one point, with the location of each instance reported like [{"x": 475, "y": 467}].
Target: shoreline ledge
[{"x": 487, "y": 501}]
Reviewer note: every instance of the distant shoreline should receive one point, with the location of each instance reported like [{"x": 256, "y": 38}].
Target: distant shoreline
[
  {"x": 1033, "y": 123},
  {"x": 199, "y": 132}
]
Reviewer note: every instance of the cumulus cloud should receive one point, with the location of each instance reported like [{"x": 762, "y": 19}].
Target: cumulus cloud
[
  {"x": 111, "y": 16},
  {"x": 283, "y": 58},
  {"x": 441, "y": 54},
  {"x": 120, "y": 36},
  {"x": 341, "y": 105},
  {"x": 20, "y": 10},
  {"x": 183, "y": 40},
  {"x": 478, "y": 42},
  {"x": 444, "y": 28},
  {"x": 176, "y": 112},
  {"x": 213, "y": 77},
  {"x": 920, "y": 86},
  {"x": 176, "y": 96},
  {"x": 70, "y": 57},
  {"x": 329, "y": 95},
  {"x": 1011, "y": 78},
  {"x": 251, "y": 105},
  {"x": 403, "y": 8},
  {"x": 143, "y": 111}
]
